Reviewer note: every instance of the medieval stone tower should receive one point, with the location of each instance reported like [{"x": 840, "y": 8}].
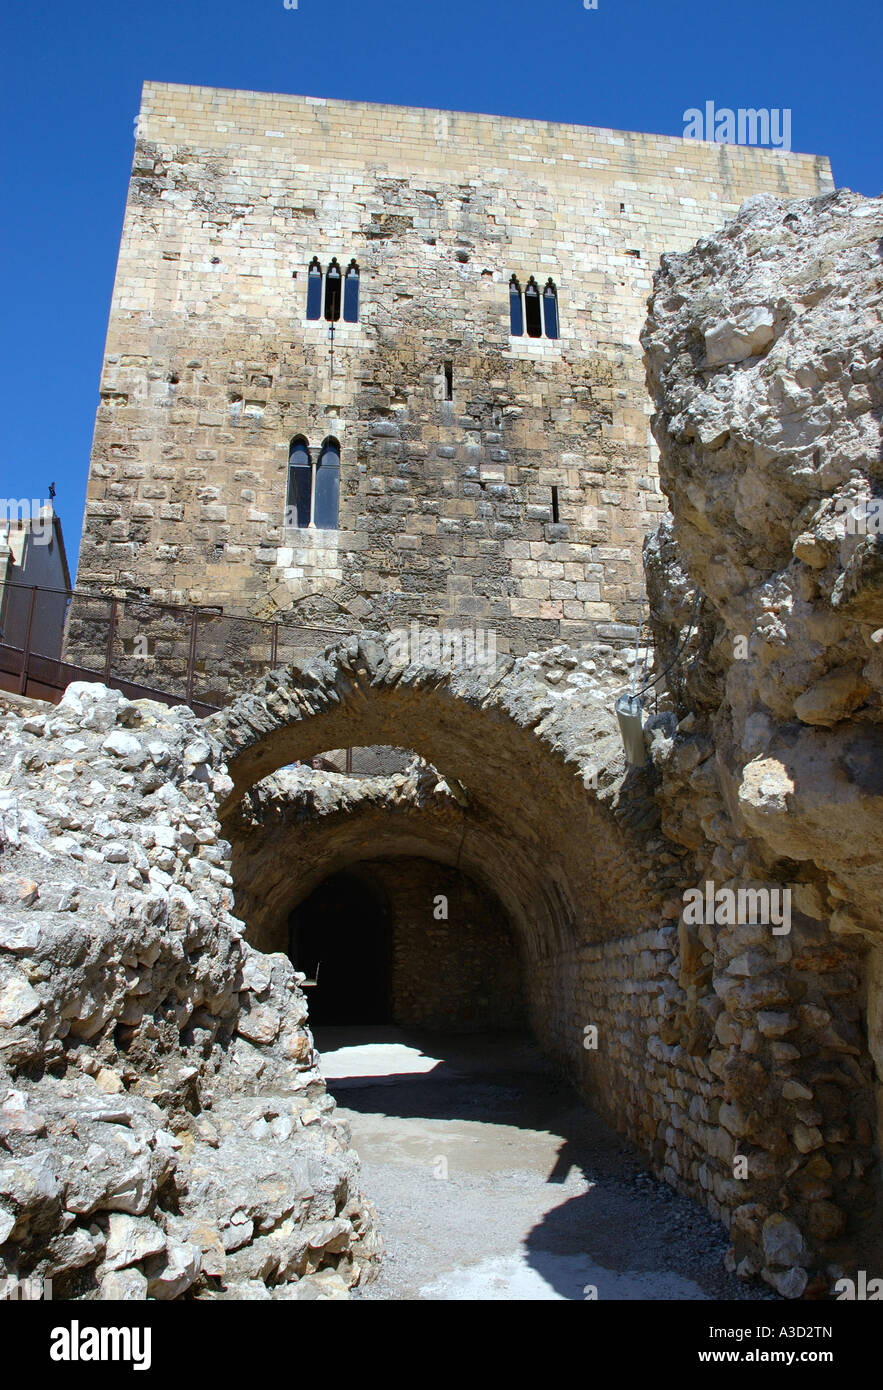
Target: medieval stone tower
[{"x": 367, "y": 364}]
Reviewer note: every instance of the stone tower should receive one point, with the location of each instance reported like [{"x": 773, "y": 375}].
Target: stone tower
[{"x": 367, "y": 364}]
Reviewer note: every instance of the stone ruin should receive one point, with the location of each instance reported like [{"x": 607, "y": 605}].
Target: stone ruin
[
  {"x": 164, "y": 1127},
  {"x": 163, "y": 1122}
]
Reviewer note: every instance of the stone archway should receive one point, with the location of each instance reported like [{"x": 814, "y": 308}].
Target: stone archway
[
  {"x": 537, "y": 763},
  {"x": 538, "y": 809},
  {"x": 619, "y": 989}
]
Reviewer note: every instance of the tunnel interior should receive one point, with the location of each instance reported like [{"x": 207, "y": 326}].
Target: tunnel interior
[
  {"x": 403, "y": 940},
  {"x": 340, "y": 937}
]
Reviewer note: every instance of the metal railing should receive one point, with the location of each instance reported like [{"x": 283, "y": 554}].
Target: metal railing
[
  {"x": 146, "y": 649},
  {"x": 198, "y": 656}
]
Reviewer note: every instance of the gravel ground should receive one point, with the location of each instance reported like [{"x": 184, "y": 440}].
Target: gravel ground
[{"x": 493, "y": 1181}]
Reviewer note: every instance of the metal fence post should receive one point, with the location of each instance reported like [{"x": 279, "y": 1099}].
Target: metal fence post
[
  {"x": 111, "y": 637},
  {"x": 26, "y": 651},
  {"x": 191, "y": 656}
]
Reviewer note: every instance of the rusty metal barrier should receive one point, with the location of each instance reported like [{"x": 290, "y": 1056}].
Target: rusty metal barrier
[{"x": 146, "y": 649}]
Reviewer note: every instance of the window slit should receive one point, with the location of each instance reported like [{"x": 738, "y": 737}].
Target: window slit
[
  {"x": 516, "y": 316},
  {"x": 332, "y": 292},
  {"x": 351, "y": 294}
]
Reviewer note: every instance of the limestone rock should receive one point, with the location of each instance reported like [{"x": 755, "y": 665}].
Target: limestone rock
[
  {"x": 765, "y": 591},
  {"x": 123, "y": 1285},
  {"x": 130, "y": 1240},
  {"x": 833, "y": 697},
  {"x": 121, "y": 994},
  {"x": 782, "y": 1241}
]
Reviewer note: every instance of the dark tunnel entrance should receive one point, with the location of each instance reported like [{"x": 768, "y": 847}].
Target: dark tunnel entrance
[
  {"x": 341, "y": 937},
  {"x": 407, "y": 941}
]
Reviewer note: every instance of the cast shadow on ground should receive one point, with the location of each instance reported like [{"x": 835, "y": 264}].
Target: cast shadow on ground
[{"x": 503, "y": 1079}]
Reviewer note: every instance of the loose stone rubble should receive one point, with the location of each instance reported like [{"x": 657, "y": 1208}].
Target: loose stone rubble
[{"x": 164, "y": 1129}]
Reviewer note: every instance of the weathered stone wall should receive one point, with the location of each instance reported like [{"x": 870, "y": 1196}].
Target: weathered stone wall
[
  {"x": 211, "y": 366},
  {"x": 764, "y": 356},
  {"x": 459, "y": 971}
]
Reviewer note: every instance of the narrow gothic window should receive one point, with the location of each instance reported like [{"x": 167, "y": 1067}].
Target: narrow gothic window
[
  {"x": 327, "y": 486},
  {"x": 300, "y": 483},
  {"x": 550, "y": 308},
  {"x": 351, "y": 293},
  {"x": 314, "y": 290},
  {"x": 516, "y": 317},
  {"x": 332, "y": 292},
  {"x": 532, "y": 311}
]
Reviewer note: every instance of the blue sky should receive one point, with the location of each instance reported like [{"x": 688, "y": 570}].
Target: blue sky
[{"x": 71, "y": 81}]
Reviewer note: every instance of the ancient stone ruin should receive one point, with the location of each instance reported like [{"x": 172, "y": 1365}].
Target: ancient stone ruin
[
  {"x": 163, "y": 1121},
  {"x": 692, "y": 934},
  {"x": 764, "y": 359}
]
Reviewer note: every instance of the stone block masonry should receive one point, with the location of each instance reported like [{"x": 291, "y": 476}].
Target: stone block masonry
[{"x": 453, "y": 433}]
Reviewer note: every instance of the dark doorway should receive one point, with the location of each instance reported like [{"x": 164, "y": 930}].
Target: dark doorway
[{"x": 341, "y": 936}]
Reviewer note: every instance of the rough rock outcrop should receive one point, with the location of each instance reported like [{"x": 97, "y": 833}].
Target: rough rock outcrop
[
  {"x": 164, "y": 1129},
  {"x": 763, "y": 346}
]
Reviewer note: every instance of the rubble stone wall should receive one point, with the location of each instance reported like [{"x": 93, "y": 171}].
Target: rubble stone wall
[
  {"x": 764, "y": 357},
  {"x": 164, "y": 1127}
]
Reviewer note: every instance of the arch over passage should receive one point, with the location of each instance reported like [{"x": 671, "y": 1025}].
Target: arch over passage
[
  {"x": 538, "y": 809},
  {"x": 524, "y": 763}
]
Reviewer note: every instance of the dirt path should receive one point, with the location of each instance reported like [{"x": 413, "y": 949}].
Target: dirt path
[{"x": 492, "y": 1181}]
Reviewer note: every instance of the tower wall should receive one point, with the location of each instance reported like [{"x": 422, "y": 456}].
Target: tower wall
[{"x": 446, "y": 511}]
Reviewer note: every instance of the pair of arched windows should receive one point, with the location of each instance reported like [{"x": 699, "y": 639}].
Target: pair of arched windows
[
  {"x": 338, "y": 288},
  {"x": 533, "y": 311},
  {"x": 313, "y": 485}
]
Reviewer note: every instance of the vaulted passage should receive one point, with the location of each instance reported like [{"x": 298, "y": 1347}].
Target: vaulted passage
[
  {"x": 410, "y": 941},
  {"x": 520, "y": 789},
  {"x": 506, "y": 880}
]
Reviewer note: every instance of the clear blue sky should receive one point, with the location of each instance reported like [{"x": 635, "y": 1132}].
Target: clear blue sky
[{"x": 71, "y": 81}]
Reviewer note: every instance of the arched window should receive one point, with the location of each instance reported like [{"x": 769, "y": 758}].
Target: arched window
[
  {"x": 314, "y": 290},
  {"x": 516, "y": 314},
  {"x": 351, "y": 293},
  {"x": 327, "y": 486},
  {"x": 332, "y": 292},
  {"x": 300, "y": 484},
  {"x": 532, "y": 311},
  {"x": 550, "y": 308}
]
